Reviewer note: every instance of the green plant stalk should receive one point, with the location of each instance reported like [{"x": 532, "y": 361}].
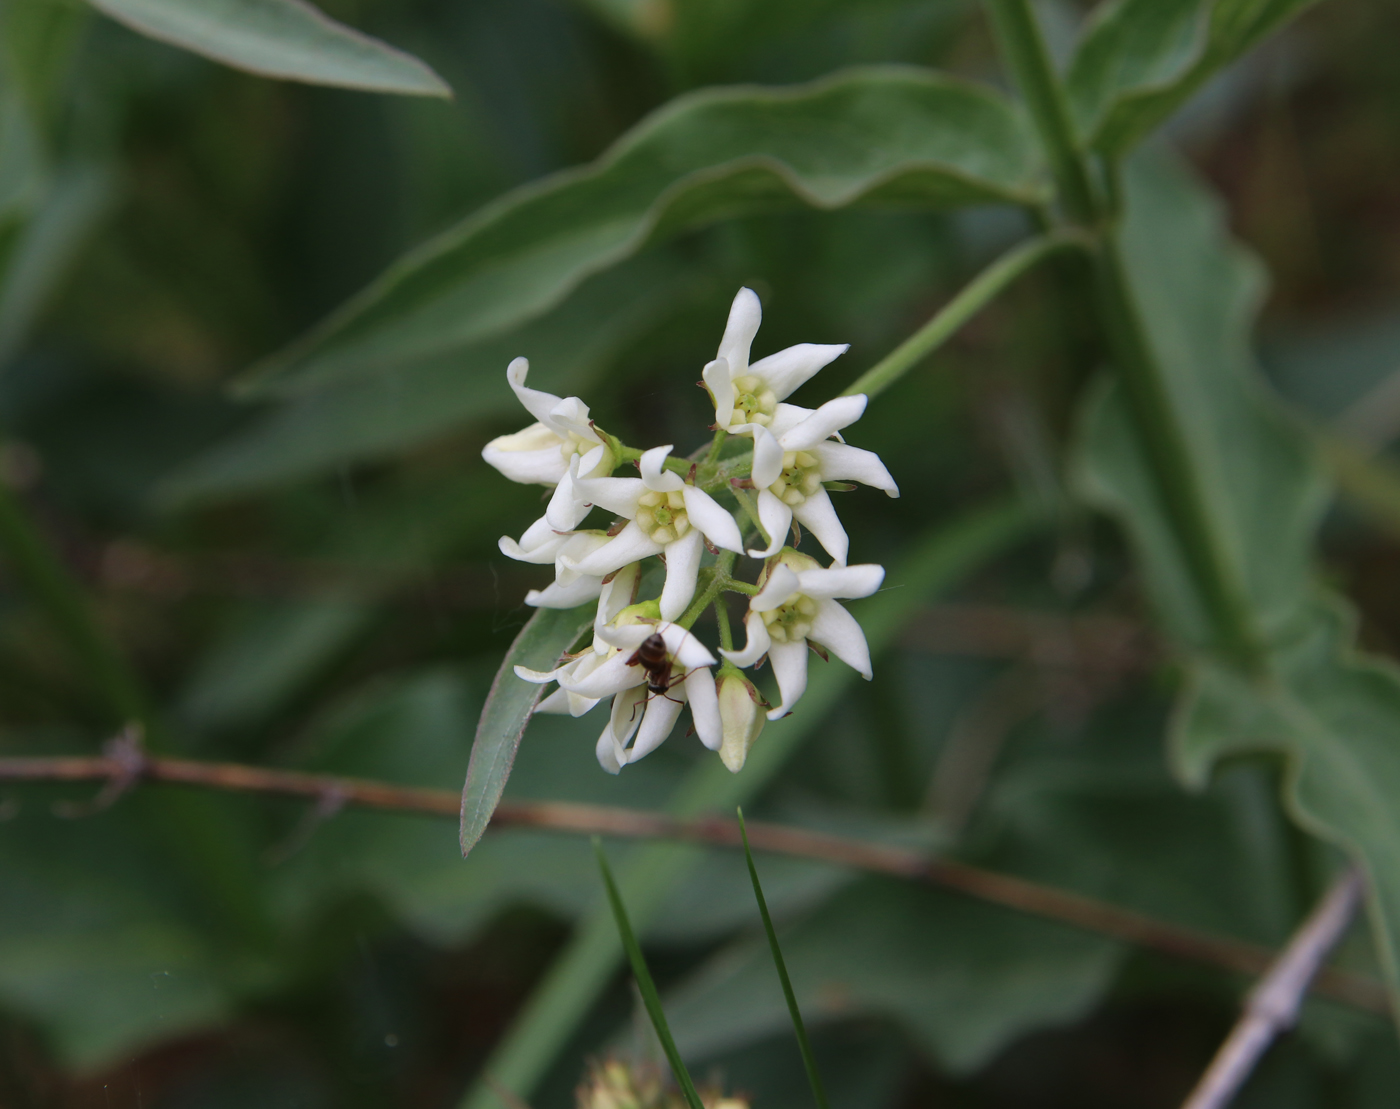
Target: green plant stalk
[
  {"x": 1023, "y": 49},
  {"x": 726, "y": 637},
  {"x": 975, "y": 296},
  {"x": 650, "y": 998},
  {"x": 1170, "y": 457},
  {"x": 583, "y": 969},
  {"x": 714, "y": 586},
  {"x": 1218, "y": 582},
  {"x": 809, "y": 1061},
  {"x": 51, "y": 586}
]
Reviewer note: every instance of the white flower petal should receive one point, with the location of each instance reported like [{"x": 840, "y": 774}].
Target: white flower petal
[
  {"x": 839, "y": 632},
  {"x": 824, "y": 422},
  {"x": 622, "y": 722},
  {"x": 570, "y": 415},
  {"x": 790, "y": 668},
  {"x": 787, "y": 417},
  {"x": 654, "y": 475},
  {"x": 767, "y": 457},
  {"x": 757, "y": 645},
  {"x": 612, "y": 676},
  {"x": 577, "y": 545},
  {"x": 662, "y": 711},
  {"x": 539, "y": 677},
  {"x": 720, "y": 382},
  {"x": 784, "y": 371},
  {"x": 840, "y": 462},
  {"x": 539, "y": 404},
  {"x": 684, "y": 647},
  {"x": 818, "y": 515},
  {"x": 556, "y": 703},
  {"x": 714, "y": 522},
  {"x": 606, "y": 751},
  {"x": 540, "y": 544},
  {"x": 682, "y": 567},
  {"x": 579, "y": 705},
  {"x": 629, "y": 545},
  {"x": 627, "y": 639},
  {"x": 776, "y": 518},
  {"x": 745, "y": 314},
  {"x": 616, "y": 595},
  {"x": 841, "y": 581},
  {"x": 582, "y": 589},
  {"x": 781, "y": 587},
  {"x": 534, "y": 464},
  {"x": 618, "y": 495},
  {"x": 704, "y": 707}
]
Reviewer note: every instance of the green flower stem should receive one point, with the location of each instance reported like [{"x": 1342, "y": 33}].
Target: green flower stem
[
  {"x": 750, "y": 508},
  {"x": 1023, "y": 49},
  {"x": 713, "y": 582},
  {"x": 1163, "y": 439},
  {"x": 734, "y": 585},
  {"x": 984, "y": 288},
  {"x": 720, "y": 436},
  {"x": 1172, "y": 464},
  {"x": 52, "y": 587},
  {"x": 726, "y": 637}
]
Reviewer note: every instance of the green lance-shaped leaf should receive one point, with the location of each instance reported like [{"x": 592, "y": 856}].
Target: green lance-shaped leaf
[
  {"x": 1141, "y": 59},
  {"x": 1334, "y": 714},
  {"x": 650, "y": 998},
  {"x": 279, "y": 38},
  {"x": 886, "y": 135},
  {"x": 544, "y": 638},
  {"x": 808, "y": 1059}
]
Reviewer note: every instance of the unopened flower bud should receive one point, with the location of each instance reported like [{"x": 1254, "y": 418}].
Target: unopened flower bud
[{"x": 741, "y": 717}]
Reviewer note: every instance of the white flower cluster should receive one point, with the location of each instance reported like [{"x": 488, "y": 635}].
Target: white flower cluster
[{"x": 776, "y": 461}]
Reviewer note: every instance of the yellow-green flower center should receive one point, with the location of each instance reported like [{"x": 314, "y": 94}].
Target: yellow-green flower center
[
  {"x": 574, "y": 443},
  {"x": 754, "y": 402},
  {"x": 791, "y": 621},
  {"x": 801, "y": 477},
  {"x": 662, "y": 516}
]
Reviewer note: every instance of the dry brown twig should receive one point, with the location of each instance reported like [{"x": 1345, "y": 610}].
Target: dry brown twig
[
  {"x": 124, "y": 764},
  {"x": 1273, "y": 1004}
]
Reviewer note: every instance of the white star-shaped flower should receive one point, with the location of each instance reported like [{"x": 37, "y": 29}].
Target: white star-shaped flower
[
  {"x": 614, "y": 595},
  {"x": 797, "y": 604},
  {"x": 551, "y": 536},
  {"x": 540, "y": 454},
  {"x": 794, "y": 456},
  {"x": 646, "y": 703},
  {"x": 746, "y": 395},
  {"x": 665, "y": 516}
]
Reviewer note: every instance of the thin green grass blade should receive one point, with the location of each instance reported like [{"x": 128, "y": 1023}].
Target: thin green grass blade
[
  {"x": 808, "y": 1060},
  {"x": 650, "y": 998}
]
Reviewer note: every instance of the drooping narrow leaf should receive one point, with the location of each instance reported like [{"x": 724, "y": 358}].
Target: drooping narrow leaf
[
  {"x": 1142, "y": 59},
  {"x": 279, "y": 38},
  {"x": 935, "y": 562},
  {"x": 545, "y": 636},
  {"x": 809, "y": 1061},
  {"x": 650, "y": 998},
  {"x": 887, "y": 135},
  {"x": 1331, "y": 712}
]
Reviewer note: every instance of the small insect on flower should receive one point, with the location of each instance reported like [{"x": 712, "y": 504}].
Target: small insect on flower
[{"x": 656, "y": 663}]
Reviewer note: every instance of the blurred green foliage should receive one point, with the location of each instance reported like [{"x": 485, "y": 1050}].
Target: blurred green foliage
[{"x": 285, "y": 526}]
